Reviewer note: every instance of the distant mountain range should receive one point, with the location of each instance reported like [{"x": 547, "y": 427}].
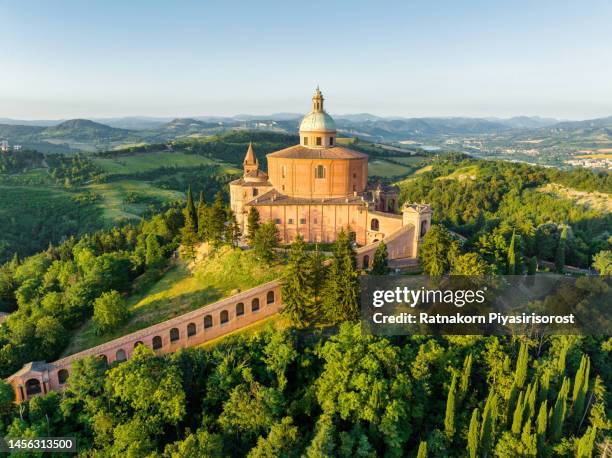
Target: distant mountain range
[{"x": 108, "y": 133}]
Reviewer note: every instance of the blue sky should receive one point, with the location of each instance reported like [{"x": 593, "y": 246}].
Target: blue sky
[{"x": 65, "y": 59}]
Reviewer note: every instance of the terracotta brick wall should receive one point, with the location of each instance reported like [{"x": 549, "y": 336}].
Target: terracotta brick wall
[{"x": 174, "y": 334}]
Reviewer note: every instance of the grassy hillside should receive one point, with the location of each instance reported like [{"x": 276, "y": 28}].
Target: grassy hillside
[{"x": 181, "y": 290}]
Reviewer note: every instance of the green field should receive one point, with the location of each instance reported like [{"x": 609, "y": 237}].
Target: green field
[
  {"x": 413, "y": 161},
  {"x": 181, "y": 290},
  {"x": 129, "y": 199},
  {"x": 145, "y": 162},
  {"x": 382, "y": 168}
]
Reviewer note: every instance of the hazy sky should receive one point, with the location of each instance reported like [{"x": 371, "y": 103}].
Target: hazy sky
[{"x": 66, "y": 59}]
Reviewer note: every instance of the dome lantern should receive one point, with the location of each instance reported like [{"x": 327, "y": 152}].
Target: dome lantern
[{"x": 318, "y": 129}]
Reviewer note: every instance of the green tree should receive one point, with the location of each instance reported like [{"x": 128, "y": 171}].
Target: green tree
[
  {"x": 449, "y": 417},
  {"x": 520, "y": 374},
  {"x": 323, "y": 442},
  {"x": 379, "y": 265},
  {"x": 469, "y": 264},
  {"x": 532, "y": 267},
  {"x": 282, "y": 441},
  {"x": 318, "y": 274},
  {"x": 232, "y": 230},
  {"x": 253, "y": 224},
  {"x": 487, "y": 426},
  {"x": 586, "y": 443},
  {"x": 541, "y": 425},
  {"x": 189, "y": 232},
  {"x": 216, "y": 223},
  {"x": 51, "y": 335},
  {"x": 558, "y": 413},
  {"x": 154, "y": 254},
  {"x": 265, "y": 242},
  {"x": 472, "y": 445},
  {"x": 561, "y": 250},
  {"x": 437, "y": 250},
  {"x": 602, "y": 262},
  {"x": 422, "y": 452},
  {"x": 298, "y": 285},
  {"x": 511, "y": 263},
  {"x": 201, "y": 444},
  {"x": 109, "y": 312},
  {"x": 203, "y": 212},
  {"x": 465, "y": 375},
  {"x": 342, "y": 285},
  {"x": 581, "y": 388}
]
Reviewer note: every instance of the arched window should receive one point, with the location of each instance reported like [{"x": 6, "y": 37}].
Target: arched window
[
  {"x": 331, "y": 141},
  {"x": 224, "y": 317},
  {"x": 319, "y": 171},
  {"x": 33, "y": 387},
  {"x": 157, "y": 342},
  {"x": 423, "y": 228},
  {"x": 62, "y": 376},
  {"x": 305, "y": 141},
  {"x": 120, "y": 355},
  {"x": 208, "y": 321},
  {"x": 366, "y": 262},
  {"x": 319, "y": 141},
  {"x": 283, "y": 171},
  {"x": 191, "y": 329},
  {"x": 138, "y": 343},
  {"x": 239, "y": 309},
  {"x": 174, "y": 334},
  {"x": 255, "y": 305},
  {"x": 270, "y": 297},
  {"x": 374, "y": 224}
]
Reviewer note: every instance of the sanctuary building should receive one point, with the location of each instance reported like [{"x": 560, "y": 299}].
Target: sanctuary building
[{"x": 318, "y": 188}]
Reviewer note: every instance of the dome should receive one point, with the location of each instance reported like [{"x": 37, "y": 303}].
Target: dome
[{"x": 317, "y": 121}]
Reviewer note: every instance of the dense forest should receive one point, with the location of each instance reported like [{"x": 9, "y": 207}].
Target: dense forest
[
  {"x": 297, "y": 393},
  {"x": 493, "y": 202}
]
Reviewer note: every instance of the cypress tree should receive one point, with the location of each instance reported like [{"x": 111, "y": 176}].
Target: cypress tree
[
  {"x": 530, "y": 400},
  {"x": 379, "y": 266},
  {"x": 217, "y": 221},
  {"x": 465, "y": 375},
  {"x": 191, "y": 210},
  {"x": 189, "y": 237},
  {"x": 512, "y": 255},
  {"x": 297, "y": 283},
  {"x": 317, "y": 276},
  {"x": 532, "y": 267},
  {"x": 562, "y": 357},
  {"x": 252, "y": 224},
  {"x": 517, "y": 418},
  {"x": 586, "y": 443},
  {"x": 232, "y": 230},
  {"x": 520, "y": 374},
  {"x": 559, "y": 411},
  {"x": 544, "y": 386},
  {"x": 529, "y": 440},
  {"x": 203, "y": 218},
  {"x": 449, "y": 418},
  {"x": 488, "y": 423},
  {"x": 422, "y": 453},
  {"x": 472, "y": 445},
  {"x": 560, "y": 253},
  {"x": 541, "y": 424},
  {"x": 581, "y": 387},
  {"x": 342, "y": 286}
]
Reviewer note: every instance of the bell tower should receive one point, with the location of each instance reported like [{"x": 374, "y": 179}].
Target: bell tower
[{"x": 250, "y": 162}]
